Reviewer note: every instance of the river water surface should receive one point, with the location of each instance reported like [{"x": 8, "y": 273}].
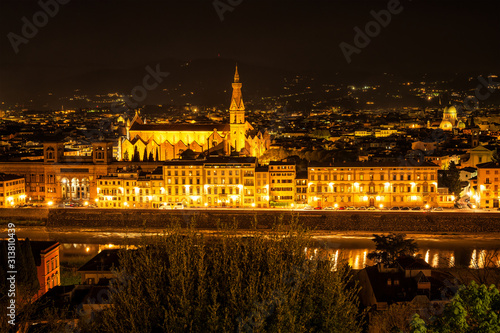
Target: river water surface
[{"x": 439, "y": 250}]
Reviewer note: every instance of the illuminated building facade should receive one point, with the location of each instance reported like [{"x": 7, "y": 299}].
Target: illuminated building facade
[
  {"x": 262, "y": 186},
  {"x": 214, "y": 182},
  {"x": 237, "y": 182},
  {"x": 161, "y": 142},
  {"x": 487, "y": 193},
  {"x": 372, "y": 184},
  {"x": 46, "y": 255},
  {"x": 57, "y": 177},
  {"x": 282, "y": 178},
  {"x": 183, "y": 183},
  {"x": 301, "y": 181},
  {"x": 130, "y": 187},
  {"x": 12, "y": 190},
  {"x": 230, "y": 182}
]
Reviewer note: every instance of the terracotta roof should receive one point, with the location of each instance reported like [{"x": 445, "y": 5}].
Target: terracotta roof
[
  {"x": 488, "y": 165},
  {"x": 180, "y": 127}
]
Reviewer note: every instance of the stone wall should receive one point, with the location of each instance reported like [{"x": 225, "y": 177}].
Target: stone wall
[
  {"x": 334, "y": 221},
  {"x": 210, "y": 219},
  {"x": 23, "y": 214}
]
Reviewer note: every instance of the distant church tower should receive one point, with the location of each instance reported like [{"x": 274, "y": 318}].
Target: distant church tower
[{"x": 237, "y": 115}]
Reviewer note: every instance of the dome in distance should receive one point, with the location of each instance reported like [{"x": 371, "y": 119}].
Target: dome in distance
[
  {"x": 461, "y": 124},
  {"x": 446, "y": 125},
  {"x": 450, "y": 110}
]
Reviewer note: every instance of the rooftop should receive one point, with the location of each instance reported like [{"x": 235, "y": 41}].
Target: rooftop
[
  {"x": 180, "y": 127},
  {"x": 6, "y": 177},
  {"x": 374, "y": 164},
  {"x": 102, "y": 262}
]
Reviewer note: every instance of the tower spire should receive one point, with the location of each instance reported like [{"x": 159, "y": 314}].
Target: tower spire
[
  {"x": 237, "y": 115},
  {"x": 236, "y": 99},
  {"x": 236, "y": 75}
]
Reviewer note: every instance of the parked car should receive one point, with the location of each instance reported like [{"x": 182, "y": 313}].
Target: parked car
[
  {"x": 372, "y": 208},
  {"x": 394, "y": 208},
  {"x": 167, "y": 205},
  {"x": 178, "y": 205},
  {"x": 308, "y": 208},
  {"x": 341, "y": 208},
  {"x": 362, "y": 208},
  {"x": 329, "y": 208},
  {"x": 438, "y": 209},
  {"x": 318, "y": 207},
  {"x": 351, "y": 208},
  {"x": 405, "y": 208},
  {"x": 416, "y": 208}
]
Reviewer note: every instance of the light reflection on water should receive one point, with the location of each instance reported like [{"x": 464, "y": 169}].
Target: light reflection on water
[{"x": 356, "y": 257}]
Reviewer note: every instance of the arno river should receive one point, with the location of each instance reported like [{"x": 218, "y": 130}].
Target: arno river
[{"x": 439, "y": 250}]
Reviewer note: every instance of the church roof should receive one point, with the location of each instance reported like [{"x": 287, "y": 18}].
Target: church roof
[{"x": 180, "y": 127}]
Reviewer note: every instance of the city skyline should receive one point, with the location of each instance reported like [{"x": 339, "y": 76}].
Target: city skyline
[{"x": 222, "y": 166}]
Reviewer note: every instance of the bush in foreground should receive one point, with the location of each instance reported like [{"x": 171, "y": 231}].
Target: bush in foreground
[
  {"x": 475, "y": 308},
  {"x": 188, "y": 282}
]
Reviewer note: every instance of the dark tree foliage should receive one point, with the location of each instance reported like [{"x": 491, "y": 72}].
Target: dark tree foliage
[
  {"x": 151, "y": 158},
  {"x": 474, "y": 309},
  {"x": 452, "y": 180},
  {"x": 145, "y": 155},
  {"x": 495, "y": 158},
  {"x": 125, "y": 156},
  {"x": 186, "y": 282},
  {"x": 157, "y": 155},
  {"x": 27, "y": 284},
  {"x": 391, "y": 247},
  {"x": 3, "y": 270},
  {"x": 136, "y": 157},
  {"x": 29, "y": 278}
]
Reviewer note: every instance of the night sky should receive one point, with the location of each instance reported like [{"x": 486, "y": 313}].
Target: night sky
[{"x": 86, "y": 35}]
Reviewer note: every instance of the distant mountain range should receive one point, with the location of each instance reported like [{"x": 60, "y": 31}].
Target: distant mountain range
[{"x": 199, "y": 82}]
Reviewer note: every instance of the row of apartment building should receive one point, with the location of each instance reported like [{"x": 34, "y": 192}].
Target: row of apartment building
[
  {"x": 230, "y": 182},
  {"x": 241, "y": 182}
]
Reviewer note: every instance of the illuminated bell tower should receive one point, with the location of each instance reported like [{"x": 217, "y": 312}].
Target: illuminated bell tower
[{"x": 237, "y": 115}]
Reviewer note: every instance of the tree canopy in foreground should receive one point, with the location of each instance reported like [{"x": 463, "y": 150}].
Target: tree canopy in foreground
[
  {"x": 475, "y": 308},
  {"x": 188, "y": 282}
]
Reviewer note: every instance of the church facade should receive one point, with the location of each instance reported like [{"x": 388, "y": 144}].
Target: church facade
[{"x": 161, "y": 142}]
